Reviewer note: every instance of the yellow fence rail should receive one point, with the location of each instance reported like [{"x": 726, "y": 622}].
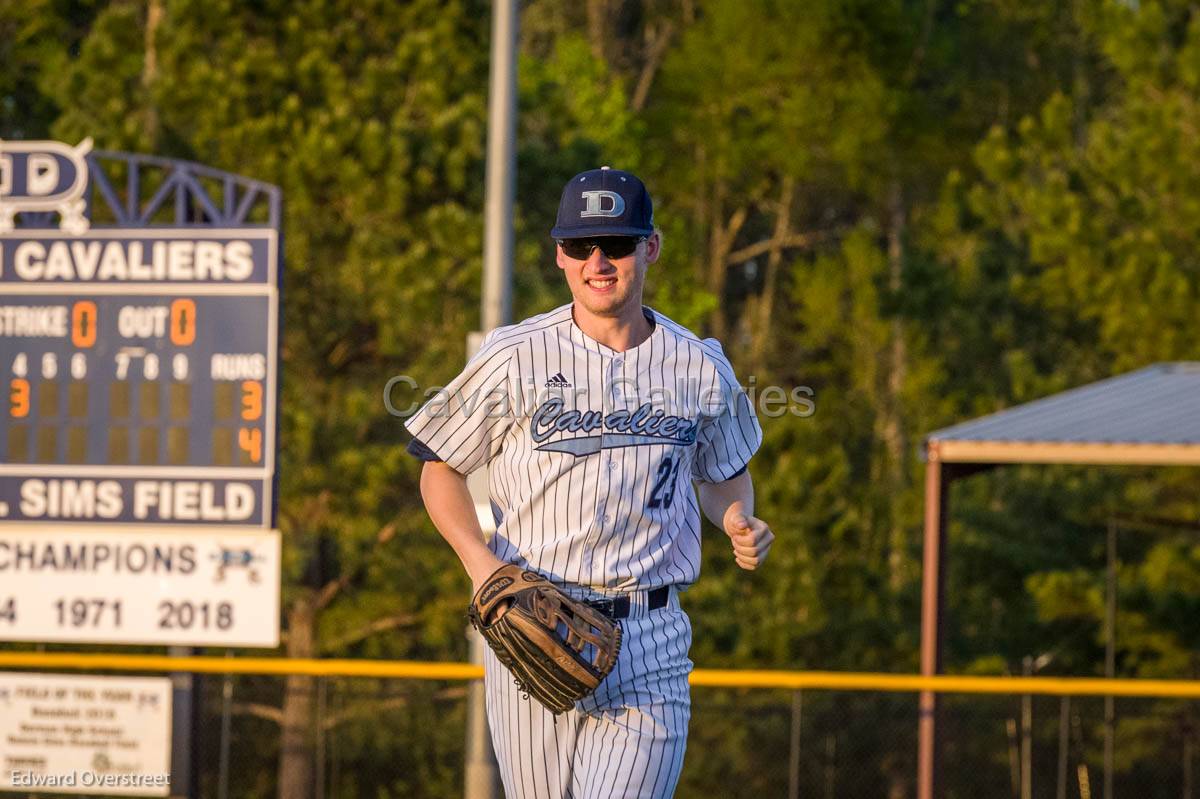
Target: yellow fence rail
[{"x": 727, "y": 678}]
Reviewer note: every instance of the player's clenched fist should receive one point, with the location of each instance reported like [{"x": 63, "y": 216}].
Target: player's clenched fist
[{"x": 751, "y": 538}]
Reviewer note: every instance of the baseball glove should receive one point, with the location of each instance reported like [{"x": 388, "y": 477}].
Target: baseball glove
[{"x": 557, "y": 648}]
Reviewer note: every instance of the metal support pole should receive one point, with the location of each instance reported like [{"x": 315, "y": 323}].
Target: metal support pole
[
  {"x": 319, "y": 776},
  {"x": 794, "y": 753},
  {"x": 184, "y": 700},
  {"x": 931, "y": 621},
  {"x": 1064, "y": 740},
  {"x": 482, "y": 775},
  {"x": 1027, "y": 734},
  {"x": 226, "y": 732},
  {"x": 1014, "y": 758},
  {"x": 501, "y": 167},
  {"x": 335, "y": 762},
  {"x": 1110, "y": 656}
]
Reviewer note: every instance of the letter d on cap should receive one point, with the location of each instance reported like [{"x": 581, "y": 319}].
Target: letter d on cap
[{"x": 595, "y": 204}]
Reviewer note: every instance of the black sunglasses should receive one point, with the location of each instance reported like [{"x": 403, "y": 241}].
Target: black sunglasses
[{"x": 611, "y": 246}]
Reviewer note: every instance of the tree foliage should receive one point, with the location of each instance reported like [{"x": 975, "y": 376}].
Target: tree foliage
[{"x": 918, "y": 212}]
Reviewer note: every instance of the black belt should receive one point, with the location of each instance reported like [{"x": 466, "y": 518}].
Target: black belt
[{"x": 618, "y": 607}]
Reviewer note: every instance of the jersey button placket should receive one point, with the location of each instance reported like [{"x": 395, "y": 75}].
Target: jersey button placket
[
  {"x": 618, "y": 403},
  {"x": 613, "y": 401}
]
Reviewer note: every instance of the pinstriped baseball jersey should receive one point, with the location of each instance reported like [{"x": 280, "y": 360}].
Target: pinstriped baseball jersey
[{"x": 592, "y": 451}]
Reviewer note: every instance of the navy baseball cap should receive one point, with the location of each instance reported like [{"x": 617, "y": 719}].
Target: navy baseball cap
[{"x": 604, "y": 202}]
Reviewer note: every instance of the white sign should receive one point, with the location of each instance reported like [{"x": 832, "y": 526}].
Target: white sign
[
  {"x": 94, "y": 735},
  {"x": 155, "y": 585}
]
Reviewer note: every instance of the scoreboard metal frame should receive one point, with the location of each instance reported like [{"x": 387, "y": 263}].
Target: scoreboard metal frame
[{"x": 126, "y": 256}]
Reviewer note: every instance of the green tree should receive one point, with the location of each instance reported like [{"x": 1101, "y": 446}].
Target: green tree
[
  {"x": 37, "y": 38},
  {"x": 371, "y": 119},
  {"x": 1069, "y": 238}
]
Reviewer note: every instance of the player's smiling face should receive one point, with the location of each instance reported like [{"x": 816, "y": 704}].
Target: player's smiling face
[{"x": 606, "y": 285}]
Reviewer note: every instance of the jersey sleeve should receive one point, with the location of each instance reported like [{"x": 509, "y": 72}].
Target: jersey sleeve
[
  {"x": 464, "y": 423},
  {"x": 730, "y": 435}
]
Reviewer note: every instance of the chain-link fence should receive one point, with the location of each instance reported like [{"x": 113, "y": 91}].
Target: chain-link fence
[
  {"x": 351, "y": 737},
  {"x": 375, "y": 737}
]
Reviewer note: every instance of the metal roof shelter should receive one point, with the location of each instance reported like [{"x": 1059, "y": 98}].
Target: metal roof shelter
[{"x": 1147, "y": 417}]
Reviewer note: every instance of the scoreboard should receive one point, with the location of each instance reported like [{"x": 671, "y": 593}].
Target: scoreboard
[
  {"x": 139, "y": 317},
  {"x": 138, "y": 373}
]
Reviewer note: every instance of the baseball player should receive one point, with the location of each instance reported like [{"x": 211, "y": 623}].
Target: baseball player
[{"x": 595, "y": 420}]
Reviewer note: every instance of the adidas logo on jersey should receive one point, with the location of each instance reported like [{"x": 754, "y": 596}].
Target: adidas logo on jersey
[{"x": 558, "y": 381}]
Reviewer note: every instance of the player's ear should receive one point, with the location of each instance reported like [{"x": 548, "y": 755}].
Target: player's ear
[
  {"x": 559, "y": 256},
  {"x": 653, "y": 246}
]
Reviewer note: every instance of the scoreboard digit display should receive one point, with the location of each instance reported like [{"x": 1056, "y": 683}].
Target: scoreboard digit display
[{"x": 138, "y": 376}]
